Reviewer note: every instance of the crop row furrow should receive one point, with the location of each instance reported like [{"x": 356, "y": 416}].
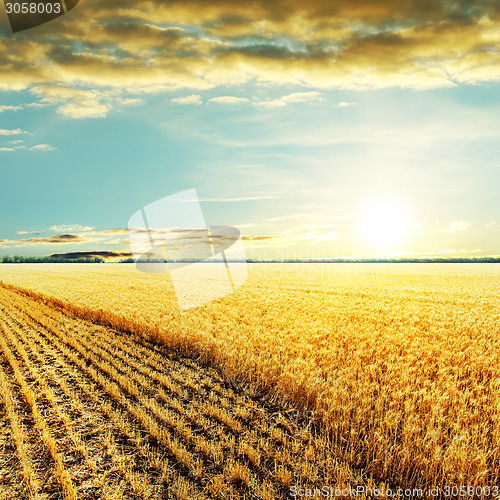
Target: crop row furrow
[
  {"x": 114, "y": 384},
  {"x": 159, "y": 434},
  {"x": 184, "y": 372},
  {"x": 149, "y": 357},
  {"x": 159, "y": 357},
  {"x": 91, "y": 394},
  {"x": 30, "y": 475},
  {"x": 217, "y": 411},
  {"x": 41, "y": 380},
  {"x": 139, "y": 482},
  {"x": 147, "y": 377},
  {"x": 133, "y": 382},
  {"x": 63, "y": 476}
]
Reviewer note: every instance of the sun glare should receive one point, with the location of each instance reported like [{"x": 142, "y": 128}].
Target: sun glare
[{"x": 385, "y": 224}]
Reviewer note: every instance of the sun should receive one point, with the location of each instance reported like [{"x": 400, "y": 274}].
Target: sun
[{"x": 385, "y": 224}]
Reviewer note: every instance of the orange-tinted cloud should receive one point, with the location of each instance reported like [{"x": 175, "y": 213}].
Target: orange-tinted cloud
[
  {"x": 55, "y": 240},
  {"x": 88, "y": 61},
  {"x": 90, "y": 255}
]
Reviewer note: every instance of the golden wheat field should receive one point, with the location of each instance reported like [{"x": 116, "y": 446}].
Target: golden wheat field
[{"x": 378, "y": 376}]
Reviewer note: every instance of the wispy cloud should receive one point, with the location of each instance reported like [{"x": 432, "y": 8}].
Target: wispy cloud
[
  {"x": 41, "y": 147},
  {"x": 457, "y": 226},
  {"x": 57, "y": 239},
  {"x": 70, "y": 234},
  {"x": 9, "y": 108},
  {"x": 444, "y": 251},
  {"x": 258, "y": 238},
  {"x": 16, "y": 131},
  {"x": 37, "y": 105},
  {"x": 345, "y": 104},
  {"x": 190, "y": 99},
  {"x": 70, "y": 227},
  {"x": 294, "y": 98},
  {"x": 76, "y": 103},
  {"x": 129, "y": 101},
  {"x": 79, "y": 110},
  {"x": 122, "y": 231},
  {"x": 228, "y": 100},
  {"x": 308, "y": 238},
  {"x": 38, "y": 147}
]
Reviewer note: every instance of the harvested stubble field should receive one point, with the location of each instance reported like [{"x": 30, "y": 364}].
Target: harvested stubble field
[
  {"x": 309, "y": 375},
  {"x": 89, "y": 412}
]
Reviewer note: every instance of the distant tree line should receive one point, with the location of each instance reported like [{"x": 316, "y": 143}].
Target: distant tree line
[
  {"x": 6, "y": 259},
  {"x": 399, "y": 260},
  {"x": 402, "y": 260},
  {"x": 19, "y": 259}
]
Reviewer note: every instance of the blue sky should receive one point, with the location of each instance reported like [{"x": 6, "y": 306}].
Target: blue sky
[{"x": 375, "y": 157}]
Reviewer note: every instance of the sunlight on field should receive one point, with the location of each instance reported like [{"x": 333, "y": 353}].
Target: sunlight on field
[{"x": 400, "y": 362}]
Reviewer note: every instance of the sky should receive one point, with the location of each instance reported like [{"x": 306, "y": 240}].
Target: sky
[{"x": 318, "y": 129}]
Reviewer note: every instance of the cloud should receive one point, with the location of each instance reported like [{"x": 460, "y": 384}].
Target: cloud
[
  {"x": 115, "y": 231},
  {"x": 4, "y": 243},
  {"x": 71, "y": 234},
  {"x": 291, "y": 239},
  {"x": 75, "y": 103},
  {"x": 435, "y": 252},
  {"x": 490, "y": 224},
  {"x": 457, "y": 226},
  {"x": 190, "y": 99},
  {"x": 321, "y": 237},
  {"x": 90, "y": 255},
  {"x": 9, "y": 108},
  {"x": 228, "y": 100},
  {"x": 41, "y": 147},
  {"x": 37, "y": 105},
  {"x": 56, "y": 240},
  {"x": 258, "y": 238},
  {"x": 108, "y": 55},
  {"x": 73, "y": 110},
  {"x": 344, "y": 104},
  {"x": 296, "y": 97},
  {"x": 17, "y": 131},
  {"x": 38, "y": 147},
  {"x": 71, "y": 227},
  {"x": 128, "y": 101}
]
